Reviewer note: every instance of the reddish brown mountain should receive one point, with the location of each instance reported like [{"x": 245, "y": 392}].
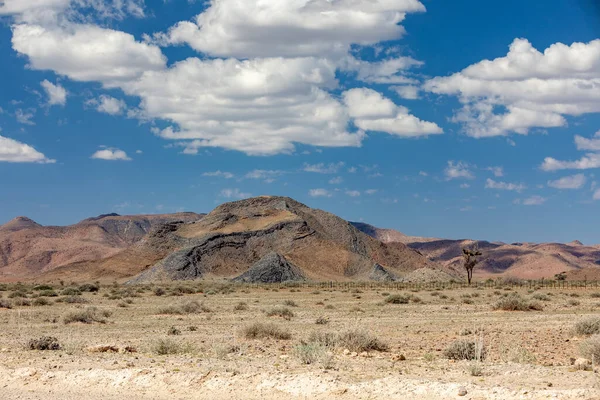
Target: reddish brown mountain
[
  {"x": 522, "y": 260},
  {"x": 28, "y": 249}
]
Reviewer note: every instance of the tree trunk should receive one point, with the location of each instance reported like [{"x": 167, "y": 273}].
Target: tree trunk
[{"x": 469, "y": 275}]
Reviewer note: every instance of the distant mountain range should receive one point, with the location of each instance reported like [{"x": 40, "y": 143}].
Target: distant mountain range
[
  {"x": 265, "y": 239},
  {"x": 521, "y": 260}
]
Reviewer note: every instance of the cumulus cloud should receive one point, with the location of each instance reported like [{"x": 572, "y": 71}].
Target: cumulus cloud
[
  {"x": 492, "y": 184},
  {"x": 525, "y": 89},
  {"x": 108, "y": 105},
  {"x": 371, "y": 191},
  {"x": 592, "y": 144},
  {"x": 458, "y": 170},
  {"x": 16, "y": 152},
  {"x": 373, "y": 112},
  {"x": 589, "y": 161},
  {"x": 234, "y": 194},
  {"x": 323, "y": 168},
  {"x": 110, "y": 154},
  {"x": 268, "y": 176},
  {"x": 57, "y": 95},
  {"x": 569, "y": 182},
  {"x": 409, "y": 92},
  {"x": 353, "y": 193},
  {"x": 336, "y": 181},
  {"x": 86, "y": 52},
  {"x": 271, "y": 28},
  {"x": 596, "y": 194},
  {"x": 219, "y": 174},
  {"x": 319, "y": 193}
]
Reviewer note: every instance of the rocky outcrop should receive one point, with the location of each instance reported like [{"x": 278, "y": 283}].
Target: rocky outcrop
[
  {"x": 272, "y": 268},
  {"x": 380, "y": 274}
]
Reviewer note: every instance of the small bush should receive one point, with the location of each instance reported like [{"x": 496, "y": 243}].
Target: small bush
[
  {"x": 75, "y": 300},
  {"x": 87, "y": 316},
  {"x": 190, "y": 307},
  {"x": 468, "y": 301},
  {"x": 22, "y": 302},
  {"x": 397, "y": 299},
  {"x": 540, "y": 296},
  {"x": 590, "y": 348},
  {"x": 88, "y": 287},
  {"x": 309, "y": 353},
  {"x": 465, "y": 350},
  {"x": 595, "y": 295},
  {"x": 192, "y": 328},
  {"x": 263, "y": 331},
  {"x": 574, "y": 303},
  {"x": 159, "y": 291},
  {"x": 173, "y": 331},
  {"x": 5, "y": 304},
  {"x": 70, "y": 291},
  {"x": 17, "y": 294},
  {"x": 167, "y": 346},
  {"x": 516, "y": 303},
  {"x": 41, "y": 301},
  {"x": 282, "y": 312},
  {"x": 44, "y": 343},
  {"x": 360, "y": 341},
  {"x": 290, "y": 303},
  {"x": 241, "y": 306},
  {"x": 43, "y": 287},
  {"x": 48, "y": 293},
  {"x": 589, "y": 326},
  {"x": 322, "y": 321}
]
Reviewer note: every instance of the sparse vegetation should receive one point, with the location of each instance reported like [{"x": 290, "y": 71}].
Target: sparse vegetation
[
  {"x": 241, "y": 306},
  {"x": 168, "y": 346},
  {"x": 588, "y": 326},
  {"x": 44, "y": 343},
  {"x": 590, "y": 348},
  {"x": 464, "y": 349},
  {"x": 515, "y": 302},
  {"x": 263, "y": 331},
  {"x": 87, "y": 316},
  {"x": 190, "y": 307},
  {"x": 282, "y": 312}
]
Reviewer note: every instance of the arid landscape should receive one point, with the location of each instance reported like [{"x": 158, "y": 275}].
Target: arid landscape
[
  {"x": 222, "y": 341},
  {"x": 268, "y": 298}
]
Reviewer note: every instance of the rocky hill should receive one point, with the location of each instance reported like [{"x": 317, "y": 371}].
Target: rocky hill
[
  {"x": 521, "y": 260},
  {"x": 28, "y": 249}
]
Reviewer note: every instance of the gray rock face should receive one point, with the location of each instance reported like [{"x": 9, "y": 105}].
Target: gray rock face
[
  {"x": 272, "y": 268},
  {"x": 381, "y": 274}
]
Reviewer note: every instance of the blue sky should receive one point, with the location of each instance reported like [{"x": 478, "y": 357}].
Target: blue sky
[{"x": 447, "y": 119}]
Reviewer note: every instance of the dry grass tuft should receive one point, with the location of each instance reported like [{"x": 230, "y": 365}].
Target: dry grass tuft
[
  {"x": 264, "y": 331},
  {"x": 466, "y": 350},
  {"x": 87, "y": 316},
  {"x": 589, "y": 326}
]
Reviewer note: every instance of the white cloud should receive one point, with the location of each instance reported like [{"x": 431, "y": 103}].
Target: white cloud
[
  {"x": 353, "y": 193},
  {"x": 458, "y": 170},
  {"x": 220, "y": 174},
  {"x": 234, "y": 194},
  {"x": 86, "y": 52},
  {"x": 423, "y": 173},
  {"x": 373, "y": 112},
  {"x": 497, "y": 171},
  {"x": 319, "y": 193},
  {"x": 525, "y": 89},
  {"x": 589, "y": 161},
  {"x": 596, "y": 194},
  {"x": 409, "y": 92},
  {"x": 17, "y": 152},
  {"x": 464, "y": 186},
  {"x": 111, "y": 154},
  {"x": 336, "y": 181},
  {"x": 108, "y": 105},
  {"x": 57, "y": 95},
  {"x": 569, "y": 182},
  {"x": 389, "y": 71},
  {"x": 24, "y": 117},
  {"x": 534, "y": 201},
  {"x": 492, "y": 184},
  {"x": 371, "y": 191},
  {"x": 586, "y": 144},
  {"x": 322, "y": 168},
  {"x": 266, "y": 175},
  {"x": 269, "y": 28}
]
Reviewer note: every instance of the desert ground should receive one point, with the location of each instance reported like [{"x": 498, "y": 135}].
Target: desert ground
[{"x": 204, "y": 340}]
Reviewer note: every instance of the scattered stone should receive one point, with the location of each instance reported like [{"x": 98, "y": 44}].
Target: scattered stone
[
  {"x": 462, "y": 391},
  {"x": 583, "y": 364}
]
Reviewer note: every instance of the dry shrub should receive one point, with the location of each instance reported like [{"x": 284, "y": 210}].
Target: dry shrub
[
  {"x": 359, "y": 341},
  {"x": 5, "y": 303},
  {"x": 44, "y": 343},
  {"x": 41, "y": 301},
  {"x": 190, "y": 307},
  {"x": 263, "y": 331},
  {"x": 75, "y": 300},
  {"x": 88, "y": 287},
  {"x": 590, "y": 348},
  {"x": 290, "y": 303},
  {"x": 241, "y": 306},
  {"x": 87, "y": 316},
  {"x": 517, "y": 303},
  {"x": 465, "y": 350},
  {"x": 322, "y": 321},
  {"x": 167, "y": 346},
  {"x": 282, "y": 312},
  {"x": 397, "y": 299},
  {"x": 589, "y": 326},
  {"x": 311, "y": 353}
]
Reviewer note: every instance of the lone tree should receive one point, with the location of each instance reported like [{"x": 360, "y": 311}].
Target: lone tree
[{"x": 471, "y": 259}]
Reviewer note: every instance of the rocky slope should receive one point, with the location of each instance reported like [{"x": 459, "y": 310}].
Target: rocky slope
[
  {"x": 235, "y": 236},
  {"x": 521, "y": 260},
  {"x": 28, "y": 249}
]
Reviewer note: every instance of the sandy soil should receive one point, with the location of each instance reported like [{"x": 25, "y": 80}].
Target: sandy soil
[{"x": 529, "y": 353}]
